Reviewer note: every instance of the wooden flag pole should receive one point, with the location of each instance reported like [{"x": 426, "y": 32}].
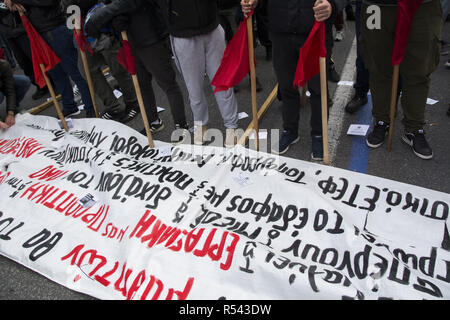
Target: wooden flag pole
[
  {"x": 393, "y": 105},
  {"x": 140, "y": 101},
  {"x": 55, "y": 100},
  {"x": 88, "y": 74},
  {"x": 270, "y": 99},
  {"x": 323, "y": 93},
  {"x": 251, "y": 55},
  {"x": 304, "y": 97}
]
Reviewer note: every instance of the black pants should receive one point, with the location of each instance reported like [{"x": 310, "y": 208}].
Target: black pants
[
  {"x": 260, "y": 23},
  {"x": 20, "y": 46},
  {"x": 156, "y": 61},
  {"x": 286, "y": 51}
]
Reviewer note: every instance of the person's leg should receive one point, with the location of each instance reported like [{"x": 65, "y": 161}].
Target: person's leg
[
  {"x": 374, "y": 44},
  {"x": 362, "y": 74},
  {"x": 101, "y": 86},
  {"x": 226, "y": 25},
  {"x": 60, "y": 78},
  {"x": 421, "y": 59},
  {"x": 445, "y": 9},
  {"x": 285, "y": 58},
  {"x": 214, "y": 44},
  {"x": 286, "y": 49},
  {"x": 262, "y": 26},
  {"x": 157, "y": 61},
  {"x": 62, "y": 42},
  {"x": 349, "y": 11},
  {"x": 22, "y": 84},
  {"x": 145, "y": 83},
  {"x": 122, "y": 76},
  {"x": 190, "y": 59}
]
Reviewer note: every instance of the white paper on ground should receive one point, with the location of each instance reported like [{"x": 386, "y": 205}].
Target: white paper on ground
[
  {"x": 358, "y": 129},
  {"x": 261, "y": 134},
  {"x": 242, "y": 115},
  {"x": 118, "y": 93},
  {"x": 345, "y": 83},
  {"x": 431, "y": 101}
]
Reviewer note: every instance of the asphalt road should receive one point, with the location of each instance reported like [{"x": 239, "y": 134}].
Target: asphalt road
[{"x": 348, "y": 152}]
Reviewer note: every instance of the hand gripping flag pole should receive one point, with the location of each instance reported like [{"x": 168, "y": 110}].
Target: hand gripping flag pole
[
  {"x": 44, "y": 59},
  {"x": 312, "y": 61},
  {"x": 83, "y": 46},
  {"x": 126, "y": 59},
  {"x": 406, "y": 10}
]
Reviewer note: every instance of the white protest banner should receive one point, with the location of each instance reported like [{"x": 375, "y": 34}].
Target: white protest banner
[{"x": 98, "y": 211}]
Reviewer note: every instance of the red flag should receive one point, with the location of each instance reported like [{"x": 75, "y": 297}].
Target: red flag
[
  {"x": 40, "y": 51},
  {"x": 313, "y": 49},
  {"x": 81, "y": 39},
  {"x": 235, "y": 64},
  {"x": 406, "y": 10},
  {"x": 125, "y": 57}
]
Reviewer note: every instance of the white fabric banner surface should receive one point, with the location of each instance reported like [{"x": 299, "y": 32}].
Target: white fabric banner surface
[{"x": 98, "y": 211}]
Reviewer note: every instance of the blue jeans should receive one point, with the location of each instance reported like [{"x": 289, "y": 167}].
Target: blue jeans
[
  {"x": 445, "y": 9},
  {"x": 22, "y": 84},
  {"x": 61, "y": 41}
]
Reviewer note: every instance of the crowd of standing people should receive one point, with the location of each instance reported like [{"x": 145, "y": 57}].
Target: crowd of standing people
[{"x": 189, "y": 37}]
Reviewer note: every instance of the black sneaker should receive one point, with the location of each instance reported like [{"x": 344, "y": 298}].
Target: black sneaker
[
  {"x": 179, "y": 134},
  {"x": 317, "y": 148},
  {"x": 378, "y": 134},
  {"x": 130, "y": 114},
  {"x": 447, "y": 64},
  {"x": 287, "y": 138},
  {"x": 115, "y": 116},
  {"x": 355, "y": 104},
  {"x": 71, "y": 112},
  {"x": 155, "y": 127},
  {"x": 418, "y": 143}
]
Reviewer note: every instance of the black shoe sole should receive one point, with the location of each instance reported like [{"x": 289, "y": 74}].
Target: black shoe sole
[
  {"x": 75, "y": 113},
  {"x": 374, "y": 146}
]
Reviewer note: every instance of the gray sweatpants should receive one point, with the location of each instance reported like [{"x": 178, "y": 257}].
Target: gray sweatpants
[{"x": 196, "y": 56}]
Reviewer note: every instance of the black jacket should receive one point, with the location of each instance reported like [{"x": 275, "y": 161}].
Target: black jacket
[
  {"x": 44, "y": 15},
  {"x": 10, "y": 24},
  {"x": 7, "y": 85},
  {"x": 189, "y": 18},
  {"x": 228, "y": 4},
  {"x": 146, "y": 24},
  {"x": 296, "y": 16}
]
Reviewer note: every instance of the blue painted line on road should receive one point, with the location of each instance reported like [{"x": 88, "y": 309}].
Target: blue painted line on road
[{"x": 359, "y": 154}]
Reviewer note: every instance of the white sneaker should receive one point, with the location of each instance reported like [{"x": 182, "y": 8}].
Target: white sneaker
[
  {"x": 231, "y": 138},
  {"x": 447, "y": 64},
  {"x": 339, "y": 35},
  {"x": 199, "y": 135}
]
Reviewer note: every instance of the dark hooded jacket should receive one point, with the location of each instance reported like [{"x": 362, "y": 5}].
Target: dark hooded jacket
[
  {"x": 44, "y": 15},
  {"x": 146, "y": 25}
]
